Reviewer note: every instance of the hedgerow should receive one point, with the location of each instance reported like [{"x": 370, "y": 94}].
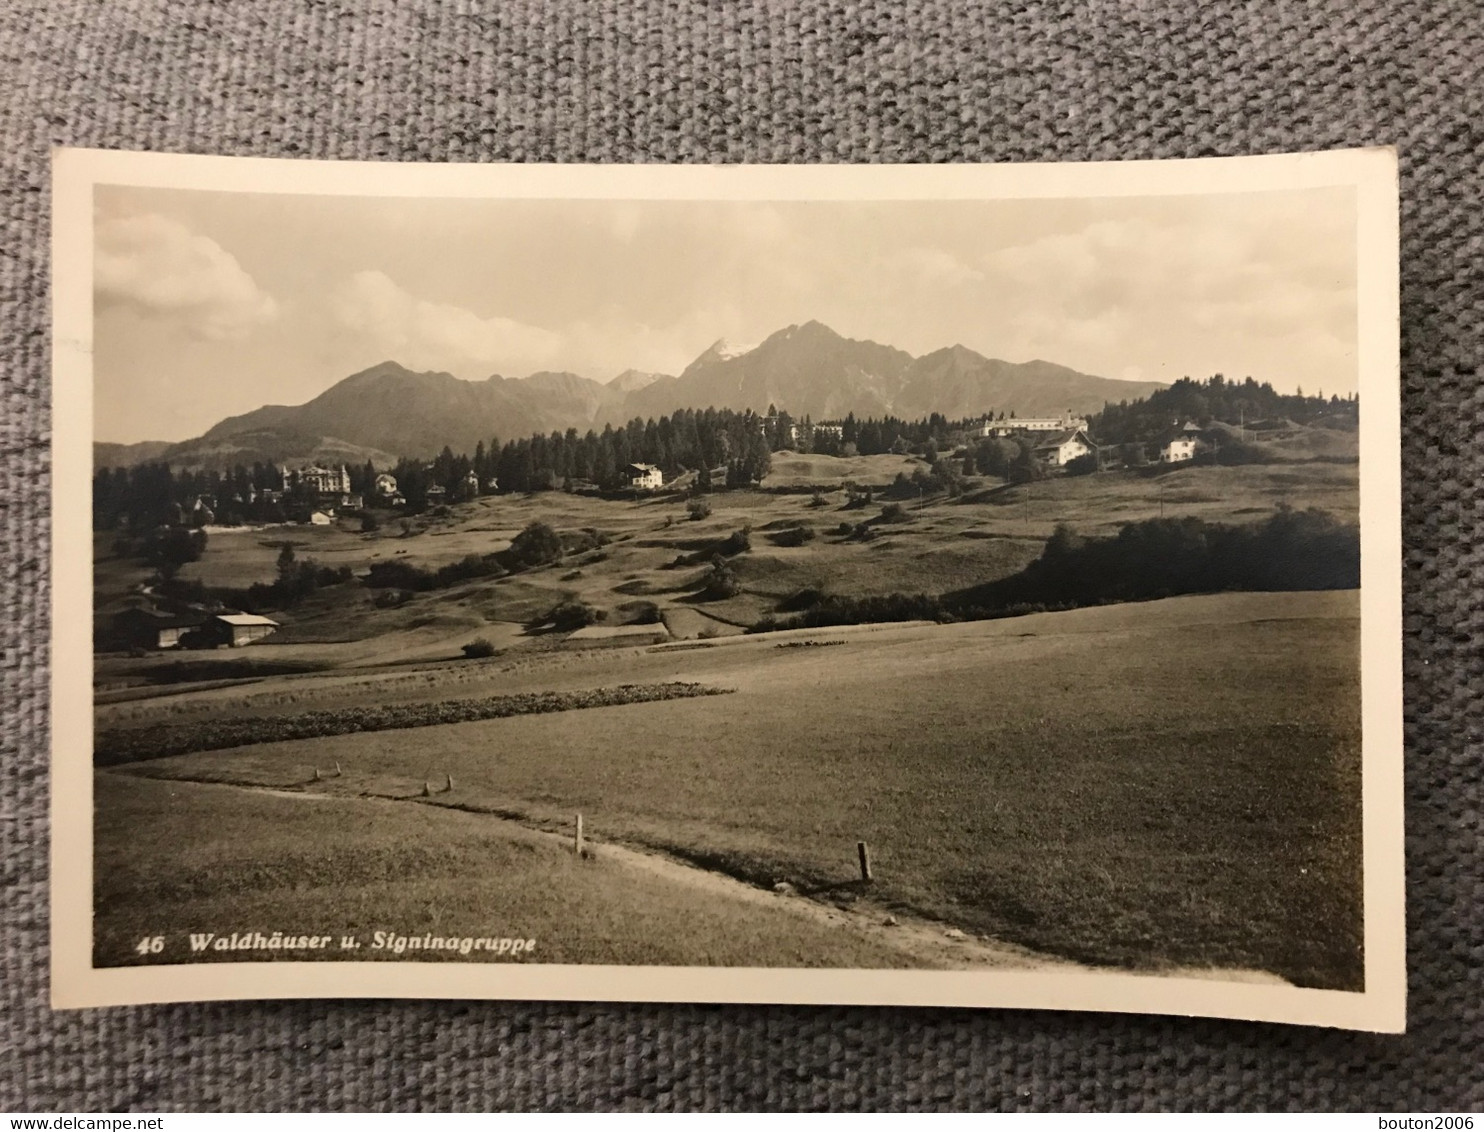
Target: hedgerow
[{"x": 162, "y": 740}]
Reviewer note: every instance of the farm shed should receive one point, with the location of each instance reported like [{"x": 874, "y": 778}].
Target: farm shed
[
  {"x": 238, "y": 629},
  {"x": 152, "y": 629}
]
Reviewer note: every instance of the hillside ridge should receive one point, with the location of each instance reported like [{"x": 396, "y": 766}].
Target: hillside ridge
[{"x": 389, "y": 410}]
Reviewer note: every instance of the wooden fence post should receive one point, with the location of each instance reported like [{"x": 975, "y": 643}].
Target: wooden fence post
[
  {"x": 865, "y": 855},
  {"x": 577, "y": 838},
  {"x": 338, "y": 771},
  {"x": 450, "y": 783}
]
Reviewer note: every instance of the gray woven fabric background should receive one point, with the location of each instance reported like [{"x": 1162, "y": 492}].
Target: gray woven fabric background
[{"x": 768, "y": 81}]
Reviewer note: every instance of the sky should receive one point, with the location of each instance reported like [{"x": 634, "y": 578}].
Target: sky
[{"x": 208, "y": 304}]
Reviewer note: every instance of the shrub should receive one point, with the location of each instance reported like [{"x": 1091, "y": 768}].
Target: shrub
[
  {"x": 537, "y": 545},
  {"x": 570, "y": 616},
  {"x": 818, "y": 500},
  {"x": 640, "y": 613},
  {"x": 467, "y": 568},
  {"x": 893, "y": 513},
  {"x": 169, "y": 548},
  {"x": 1083, "y": 465},
  {"x": 577, "y": 542},
  {"x": 369, "y": 522},
  {"x": 479, "y": 647},
  {"x": 735, "y": 543},
  {"x": 698, "y": 509},
  {"x": 720, "y": 582}
]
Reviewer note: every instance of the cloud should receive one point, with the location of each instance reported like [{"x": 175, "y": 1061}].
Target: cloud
[
  {"x": 612, "y": 340},
  {"x": 439, "y": 335},
  {"x": 161, "y": 269},
  {"x": 1254, "y": 291},
  {"x": 933, "y": 267}
]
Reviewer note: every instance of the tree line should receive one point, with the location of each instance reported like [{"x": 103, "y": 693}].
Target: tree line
[
  {"x": 741, "y": 443},
  {"x": 1149, "y": 420},
  {"x": 1153, "y": 558},
  {"x": 700, "y": 440}
]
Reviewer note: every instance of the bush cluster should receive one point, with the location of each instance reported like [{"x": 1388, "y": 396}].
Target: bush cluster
[
  {"x": 406, "y": 576},
  {"x": 569, "y": 616},
  {"x": 720, "y": 582}
]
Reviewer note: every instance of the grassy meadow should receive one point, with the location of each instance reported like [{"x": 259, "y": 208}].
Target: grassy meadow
[
  {"x": 302, "y": 865},
  {"x": 1163, "y": 786},
  {"x": 1199, "y": 810}
]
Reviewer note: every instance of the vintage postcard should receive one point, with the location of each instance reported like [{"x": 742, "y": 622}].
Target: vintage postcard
[{"x": 959, "y": 585}]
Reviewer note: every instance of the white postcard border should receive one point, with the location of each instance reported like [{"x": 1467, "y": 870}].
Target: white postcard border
[{"x": 76, "y": 983}]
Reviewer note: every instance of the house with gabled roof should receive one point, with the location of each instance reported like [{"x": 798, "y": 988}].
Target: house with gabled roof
[
  {"x": 644, "y": 477},
  {"x": 1060, "y": 449},
  {"x": 1178, "y": 450}
]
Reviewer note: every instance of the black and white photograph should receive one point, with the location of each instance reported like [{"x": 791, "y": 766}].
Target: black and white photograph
[{"x": 859, "y": 585}]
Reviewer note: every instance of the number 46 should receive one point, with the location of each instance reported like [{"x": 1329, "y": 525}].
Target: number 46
[{"x": 151, "y": 945}]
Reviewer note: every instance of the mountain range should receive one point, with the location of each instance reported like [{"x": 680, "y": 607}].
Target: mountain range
[{"x": 389, "y": 411}]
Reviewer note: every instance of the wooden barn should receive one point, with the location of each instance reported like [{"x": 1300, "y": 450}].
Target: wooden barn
[{"x": 152, "y": 629}]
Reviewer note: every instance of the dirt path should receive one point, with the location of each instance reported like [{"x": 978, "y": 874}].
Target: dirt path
[{"x": 920, "y": 942}]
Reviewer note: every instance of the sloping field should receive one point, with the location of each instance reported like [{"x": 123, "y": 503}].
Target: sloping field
[
  {"x": 260, "y": 862},
  {"x": 791, "y": 469},
  {"x": 1100, "y": 504},
  {"x": 1169, "y": 784},
  {"x": 655, "y": 550}
]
